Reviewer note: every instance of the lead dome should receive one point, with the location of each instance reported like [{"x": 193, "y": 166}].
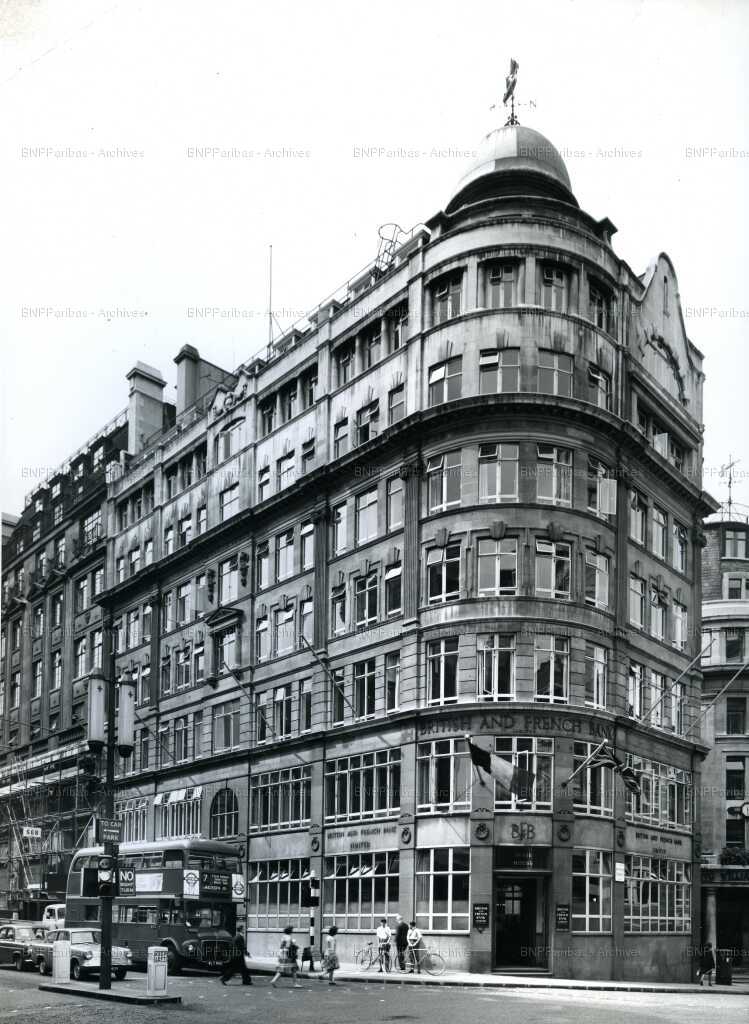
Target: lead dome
[{"x": 513, "y": 160}]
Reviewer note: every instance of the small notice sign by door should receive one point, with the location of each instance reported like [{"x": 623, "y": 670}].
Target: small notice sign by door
[
  {"x": 480, "y": 916},
  {"x": 563, "y": 917}
]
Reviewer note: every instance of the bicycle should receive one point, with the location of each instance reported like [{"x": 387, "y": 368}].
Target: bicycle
[
  {"x": 367, "y": 957},
  {"x": 426, "y": 960}
]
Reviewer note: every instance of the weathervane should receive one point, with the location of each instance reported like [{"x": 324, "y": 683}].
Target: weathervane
[{"x": 510, "y": 83}]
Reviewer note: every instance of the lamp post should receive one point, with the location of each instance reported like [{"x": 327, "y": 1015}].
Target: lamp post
[{"x": 102, "y": 704}]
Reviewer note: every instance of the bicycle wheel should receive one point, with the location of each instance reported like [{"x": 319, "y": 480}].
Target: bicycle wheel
[
  {"x": 364, "y": 959},
  {"x": 433, "y": 964}
]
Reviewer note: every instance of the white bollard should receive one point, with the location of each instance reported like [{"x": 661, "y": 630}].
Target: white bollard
[
  {"x": 61, "y": 962},
  {"x": 157, "y": 971}
]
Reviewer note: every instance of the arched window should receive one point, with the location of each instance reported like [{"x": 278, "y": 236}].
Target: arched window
[{"x": 224, "y": 815}]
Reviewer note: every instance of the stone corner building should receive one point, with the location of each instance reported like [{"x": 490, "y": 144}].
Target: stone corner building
[{"x": 463, "y": 497}]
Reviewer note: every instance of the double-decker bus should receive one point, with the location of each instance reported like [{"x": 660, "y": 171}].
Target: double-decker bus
[{"x": 182, "y": 894}]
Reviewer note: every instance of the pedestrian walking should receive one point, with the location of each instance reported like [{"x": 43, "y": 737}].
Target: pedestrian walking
[
  {"x": 237, "y": 964},
  {"x": 330, "y": 961},
  {"x": 413, "y": 938},
  {"x": 287, "y": 962},
  {"x": 707, "y": 965},
  {"x": 384, "y": 935},
  {"x": 401, "y": 941}
]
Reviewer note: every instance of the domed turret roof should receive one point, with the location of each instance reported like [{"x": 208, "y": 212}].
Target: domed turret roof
[{"x": 513, "y": 160}]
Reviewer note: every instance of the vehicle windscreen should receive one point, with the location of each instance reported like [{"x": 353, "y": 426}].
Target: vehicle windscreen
[
  {"x": 86, "y": 936},
  {"x": 209, "y": 916}
]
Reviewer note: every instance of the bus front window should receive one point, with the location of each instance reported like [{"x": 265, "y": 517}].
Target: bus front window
[{"x": 208, "y": 915}]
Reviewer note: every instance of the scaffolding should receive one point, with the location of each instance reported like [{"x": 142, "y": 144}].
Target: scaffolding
[{"x": 53, "y": 802}]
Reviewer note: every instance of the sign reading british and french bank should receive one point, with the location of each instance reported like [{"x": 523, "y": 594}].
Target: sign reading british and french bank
[
  {"x": 376, "y": 836},
  {"x": 522, "y": 722}
]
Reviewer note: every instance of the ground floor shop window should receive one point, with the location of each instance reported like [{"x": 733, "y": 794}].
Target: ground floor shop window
[
  {"x": 443, "y": 888},
  {"x": 592, "y": 788},
  {"x": 657, "y": 895},
  {"x": 274, "y": 893},
  {"x": 359, "y": 889},
  {"x": 281, "y": 799},
  {"x": 532, "y": 755},
  {"x": 363, "y": 786},
  {"x": 591, "y": 890}
]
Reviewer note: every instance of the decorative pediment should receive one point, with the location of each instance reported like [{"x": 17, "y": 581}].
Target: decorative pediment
[{"x": 222, "y": 618}]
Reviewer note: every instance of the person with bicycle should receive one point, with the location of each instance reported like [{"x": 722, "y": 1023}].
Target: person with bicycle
[
  {"x": 413, "y": 938},
  {"x": 384, "y": 935},
  {"x": 401, "y": 941}
]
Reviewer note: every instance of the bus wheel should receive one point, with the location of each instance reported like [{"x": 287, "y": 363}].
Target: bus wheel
[{"x": 173, "y": 962}]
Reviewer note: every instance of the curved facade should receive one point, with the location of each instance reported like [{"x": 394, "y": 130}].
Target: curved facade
[{"x": 472, "y": 484}]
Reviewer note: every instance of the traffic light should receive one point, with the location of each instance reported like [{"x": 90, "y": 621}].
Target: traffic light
[
  {"x": 311, "y": 893},
  {"x": 107, "y": 877}
]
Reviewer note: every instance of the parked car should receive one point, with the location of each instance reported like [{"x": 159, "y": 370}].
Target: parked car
[
  {"x": 16, "y": 941},
  {"x": 85, "y": 953}
]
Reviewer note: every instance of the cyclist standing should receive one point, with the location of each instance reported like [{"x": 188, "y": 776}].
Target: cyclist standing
[
  {"x": 384, "y": 935},
  {"x": 413, "y": 938}
]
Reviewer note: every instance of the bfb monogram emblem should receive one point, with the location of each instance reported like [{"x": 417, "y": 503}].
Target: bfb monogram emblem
[{"x": 523, "y": 833}]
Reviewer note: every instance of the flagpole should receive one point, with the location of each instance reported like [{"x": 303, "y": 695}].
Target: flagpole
[
  {"x": 733, "y": 678},
  {"x": 585, "y": 763},
  {"x": 645, "y": 721}
]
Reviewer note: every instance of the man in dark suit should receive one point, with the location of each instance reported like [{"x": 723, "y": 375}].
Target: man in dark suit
[
  {"x": 237, "y": 963},
  {"x": 401, "y": 940}
]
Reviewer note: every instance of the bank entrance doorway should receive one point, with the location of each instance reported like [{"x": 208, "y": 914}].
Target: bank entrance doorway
[{"x": 520, "y": 922}]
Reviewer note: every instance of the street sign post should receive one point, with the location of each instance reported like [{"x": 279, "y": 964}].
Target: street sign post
[{"x": 108, "y": 830}]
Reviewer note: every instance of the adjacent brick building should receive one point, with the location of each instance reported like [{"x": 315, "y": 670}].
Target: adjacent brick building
[{"x": 725, "y": 803}]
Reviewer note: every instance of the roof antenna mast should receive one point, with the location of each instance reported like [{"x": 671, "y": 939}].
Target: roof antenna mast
[{"x": 270, "y": 297}]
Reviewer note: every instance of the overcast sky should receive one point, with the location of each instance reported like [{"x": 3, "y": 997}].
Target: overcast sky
[{"x": 124, "y": 218}]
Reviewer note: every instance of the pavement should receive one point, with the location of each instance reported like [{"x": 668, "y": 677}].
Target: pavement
[
  {"x": 350, "y": 973},
  {"x": 118, "y": 994}
]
